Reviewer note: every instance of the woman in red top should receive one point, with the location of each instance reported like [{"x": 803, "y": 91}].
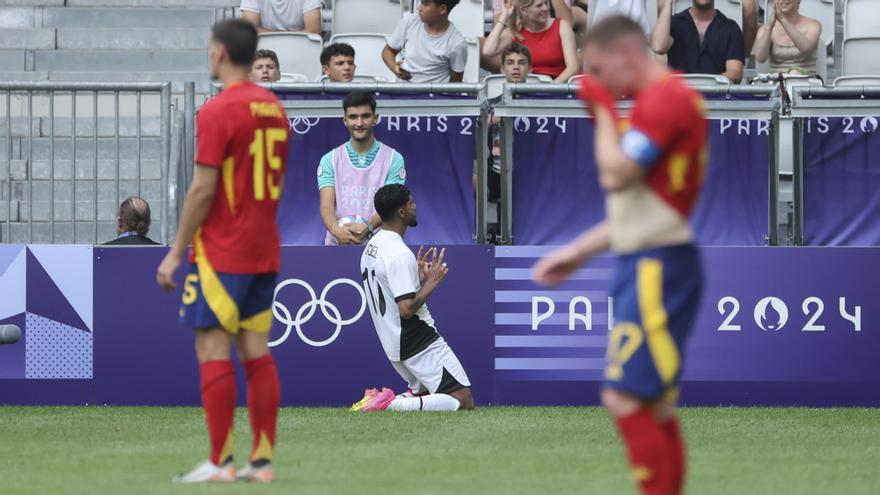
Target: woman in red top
[{"x": 550, "y": 40}]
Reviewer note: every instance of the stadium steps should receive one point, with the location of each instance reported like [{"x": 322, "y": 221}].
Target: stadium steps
[{"x": 109, "y": 40}]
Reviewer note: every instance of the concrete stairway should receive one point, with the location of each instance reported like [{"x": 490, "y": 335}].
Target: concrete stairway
[
  {"x": 108, "y": 40},
  {"x": 91, "y": 40}
]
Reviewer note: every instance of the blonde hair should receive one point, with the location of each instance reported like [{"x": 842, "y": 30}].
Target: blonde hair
[{"x": 515, "y": 23}]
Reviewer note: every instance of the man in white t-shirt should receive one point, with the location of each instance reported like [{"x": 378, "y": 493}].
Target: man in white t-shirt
[
  {"x": 397, "y": 285},
  {"x": 432, "y": 49},
  {"x": 283, "y": 15}
]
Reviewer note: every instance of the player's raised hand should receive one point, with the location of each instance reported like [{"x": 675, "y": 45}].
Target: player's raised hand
[
  {"x": 166, "y": 270},
  {"x": 554, "y": 268},
  {"x": 423, "y": 259},
  {"x": 437, "y": 269},
  {"x": 596, "y": 96}
]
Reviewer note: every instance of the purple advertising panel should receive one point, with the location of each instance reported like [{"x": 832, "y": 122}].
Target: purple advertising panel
[
  {"x": 783, "y": 326},
  {"x": 556, "y": 193},
  {"x": 47, "y": 292},
  {"x": 323, "y": 338},
  {"x": 776, "y": 326},
  {"x": 841, "y": 180},
  {"x": 438, "y": 153}
]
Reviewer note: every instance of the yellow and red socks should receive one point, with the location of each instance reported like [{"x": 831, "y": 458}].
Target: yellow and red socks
[
  {"x": 263, "y": 400},
  {"x": 677, "y": 452},
  {"x": 218, "y": 400},
  {"x": 648, "y": 449}
]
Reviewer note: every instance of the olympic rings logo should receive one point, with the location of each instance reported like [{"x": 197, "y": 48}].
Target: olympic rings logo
[
  {"x": 307, "y": 311},
  {"x": 302, "y": 125}
]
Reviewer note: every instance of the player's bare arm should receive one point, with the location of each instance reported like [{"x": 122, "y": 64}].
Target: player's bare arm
[
  {"x": 198, "y": 201},
  {"x": 435, "y": 271},
  {"x": 554, "y": 268}
]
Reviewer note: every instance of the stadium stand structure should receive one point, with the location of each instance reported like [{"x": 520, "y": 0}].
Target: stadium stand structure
[{"x": 108, "y": 40}]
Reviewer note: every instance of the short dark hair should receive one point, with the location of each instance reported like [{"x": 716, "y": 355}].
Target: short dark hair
[
  {"x": 611, "y": 29},
  {"x": 389, "y": 199},
  {"x": 336, "y": 50},
  {"x": 517, "y": 48},
  {"x": 267, "y": 54},
  {"x": 134, "y": 213},
  {"x": 357, "y": 99},
  {"x": 450, "y": 4},
  {"x": 240, "y": 39}
]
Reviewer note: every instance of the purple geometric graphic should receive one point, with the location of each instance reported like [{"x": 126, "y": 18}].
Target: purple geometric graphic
[
  {"x": 46, "y": 299},
  {"x": 57, "y": 351},
  {"x": 12, "y": 356}
]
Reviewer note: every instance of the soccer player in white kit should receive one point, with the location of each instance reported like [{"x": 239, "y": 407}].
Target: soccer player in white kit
[{"x": 397, "y": 285}]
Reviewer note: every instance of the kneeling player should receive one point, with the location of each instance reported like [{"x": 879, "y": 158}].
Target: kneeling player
[{"x": 398, "y": 285}]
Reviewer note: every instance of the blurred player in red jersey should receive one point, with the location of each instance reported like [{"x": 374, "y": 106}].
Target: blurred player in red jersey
[
  {"x": 652, "y": 172},
  {"x": 229, "y": 217}
]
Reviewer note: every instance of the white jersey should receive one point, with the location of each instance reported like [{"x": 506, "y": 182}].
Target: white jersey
[{"x": 391, "y": 274}]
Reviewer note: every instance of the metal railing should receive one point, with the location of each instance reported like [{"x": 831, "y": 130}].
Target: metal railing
[
  {"x": 72, "y": 151},
  {"x": 69, "y": 152}
]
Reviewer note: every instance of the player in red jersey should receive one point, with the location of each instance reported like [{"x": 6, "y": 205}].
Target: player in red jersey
[
  {"x": 229, "y": 217},
  {"x": 652, "y": 168}
]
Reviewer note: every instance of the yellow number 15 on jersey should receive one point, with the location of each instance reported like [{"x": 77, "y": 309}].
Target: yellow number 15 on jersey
[{"x": 262, "y": 150}]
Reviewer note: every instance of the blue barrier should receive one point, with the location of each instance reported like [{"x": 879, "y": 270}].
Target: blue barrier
[
  {"x": 841, "y": 181},
  {"x": 556, "y": 194}
]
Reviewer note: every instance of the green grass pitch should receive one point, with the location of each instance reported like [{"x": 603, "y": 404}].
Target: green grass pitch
[{"x": 97, "y": 450}]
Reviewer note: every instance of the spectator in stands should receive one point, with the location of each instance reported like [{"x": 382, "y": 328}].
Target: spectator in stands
[
  {"x": 789, "y": 40},
  {"x": 265, "y": 68},
  {"x": 350, "y": 175},
  {"x": 750, "y": 23},
  {"x": 337, "y": 62},
  {"x": 434, "y": 51},
  {"x": 573, "y": 11},
  {"x": 700, "y": 40},
  {"x": 133, "y": 224},
  {"x": 283, "y": 15},
  {"x": 634, "y": 9},
  {"x": 550, "y": 41},
  {"x": 516, "y": 64}
]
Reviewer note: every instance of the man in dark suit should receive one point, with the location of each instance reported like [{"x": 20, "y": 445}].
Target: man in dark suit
[{"x": 132, "y": 224}]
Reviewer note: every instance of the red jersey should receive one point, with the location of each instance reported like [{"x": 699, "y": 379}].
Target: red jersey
[
  {"x": 548, "y": 57},
  {"x": 669, "y": 136},
  {"x": 244, "y": 133}
]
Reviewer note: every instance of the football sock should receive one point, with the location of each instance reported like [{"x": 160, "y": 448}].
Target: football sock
[
  {"x": 263, "y": 399},
  {"x": 648, "y": 449},
  {"x": 433, "y": 402},
  {"x": 218, "y": 400},
  {"x": 677, "y": 452}
]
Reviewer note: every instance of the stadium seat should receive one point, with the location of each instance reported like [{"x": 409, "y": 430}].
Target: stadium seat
[
  {"x": 298, "y": 53},
  {"x": 293, "y": 78},
  {"x": 365, "y": 16},
  {"x": 849, "y": 81},
  {"x": 472, "y": 69},
  {"x": 861, "y": 19},
  {"x": 860, "y": 56},
  {"x": 730, "y": 8},
  {"x": 495, "y": 83},
  {"x": 469, "y": 17},
  {"x": 368, "y": 54}
]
